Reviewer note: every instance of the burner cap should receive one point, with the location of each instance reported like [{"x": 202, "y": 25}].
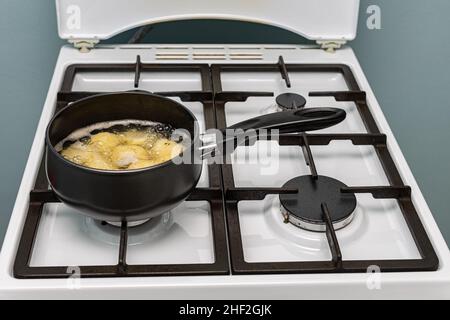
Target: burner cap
[
  {"x": 304, "y": 209},
  {"x": 290, "y": 101}
]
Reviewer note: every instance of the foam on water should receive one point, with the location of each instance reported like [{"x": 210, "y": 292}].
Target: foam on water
[
  {"x": 104, "y": 126},
  {"x": 121, "y": 145}
]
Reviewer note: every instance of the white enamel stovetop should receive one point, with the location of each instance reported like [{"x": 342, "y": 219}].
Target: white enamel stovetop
[{"x": 377, "y": 232}]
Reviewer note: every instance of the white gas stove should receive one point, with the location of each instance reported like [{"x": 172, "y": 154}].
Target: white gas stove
[{"x": 235, "y": 237}]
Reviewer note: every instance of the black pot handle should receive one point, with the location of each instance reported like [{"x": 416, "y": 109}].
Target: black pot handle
[
  {"x": 307, "y": 119},
  {"x": 297, "y": 121}
]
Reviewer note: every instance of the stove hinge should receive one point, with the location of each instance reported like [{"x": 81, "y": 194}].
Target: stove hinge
[
  {"x": 331, "y": 45},
  {"x": 84, "y": 46}
]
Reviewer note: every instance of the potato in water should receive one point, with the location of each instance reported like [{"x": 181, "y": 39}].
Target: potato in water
[
  {"x": 125, "y": 155},
  {"x": 104, "y": 142},
  {"x": 127, "y": 146},
  {"x": 78, "y": 153},
  {"x": 165, "y": 149}
]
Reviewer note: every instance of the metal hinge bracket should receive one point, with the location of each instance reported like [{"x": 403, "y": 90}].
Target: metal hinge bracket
[
  {"x": 331, "y": 46},
  {"x": 84, "y": 46}
]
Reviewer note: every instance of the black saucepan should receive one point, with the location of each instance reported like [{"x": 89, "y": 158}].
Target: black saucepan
[{"x": 135, "y": 195}]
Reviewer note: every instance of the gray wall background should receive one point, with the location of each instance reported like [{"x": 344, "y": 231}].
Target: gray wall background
[{"x": 407, "y": 63}]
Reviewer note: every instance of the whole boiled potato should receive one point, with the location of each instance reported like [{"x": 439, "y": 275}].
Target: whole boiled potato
[{"x": 124, "y": 155}]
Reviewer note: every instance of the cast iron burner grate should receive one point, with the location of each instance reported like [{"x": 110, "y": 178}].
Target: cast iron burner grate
[
  {"x": 305, "y": 209},
  {"x": 396, "y": 190},
  {"x": 223, "y": 195},
  {"x": 41, "y": 194}
]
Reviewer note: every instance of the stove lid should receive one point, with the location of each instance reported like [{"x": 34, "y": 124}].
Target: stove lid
[{"x": 95, "y": 20}]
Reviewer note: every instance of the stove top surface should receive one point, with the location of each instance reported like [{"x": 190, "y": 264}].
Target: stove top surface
[{"x": 235, "y": 227}]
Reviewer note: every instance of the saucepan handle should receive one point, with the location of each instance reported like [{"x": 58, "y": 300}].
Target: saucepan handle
[
  {"x": 297, "y": 121},
  {"x": 307, "y": 119}
]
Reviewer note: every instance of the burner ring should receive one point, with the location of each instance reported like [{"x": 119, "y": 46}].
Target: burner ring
[
  {"x": 129, "y": 224},
  {"x": 290, "y": 101},
  {"x": 145, "y": 232},
  {"x": 304, "y": 209}
]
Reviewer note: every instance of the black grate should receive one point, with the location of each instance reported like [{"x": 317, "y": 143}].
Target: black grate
[
  {"x": 224, "y": 196},
  {"x": 397, "y": 189},
  {"x": 213, "y": 195}
]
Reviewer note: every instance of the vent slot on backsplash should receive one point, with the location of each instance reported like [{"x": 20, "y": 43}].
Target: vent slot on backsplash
[
  {"x": 209, "y": 56},
  {"x": 246, "y": 56},
  {"x": 246, "y": 48},
  {"x": 172, "y": 55},
  {"x": 134, "y": 47},
  {"x": 280, "y": 48},
  {"x": 172, "y": 48},
  {"x": 209, "y": 48}
]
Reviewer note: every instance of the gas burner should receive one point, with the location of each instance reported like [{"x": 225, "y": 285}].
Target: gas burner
[
  {"x": 304, "y": 209},
  {"x": 143, "y": 232},
  {"x": 129, "y": 224},
  {"x": 290, "y": 101}
]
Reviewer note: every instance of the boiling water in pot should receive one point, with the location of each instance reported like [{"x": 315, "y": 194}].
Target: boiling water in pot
[{"x": 120, "y": 145}]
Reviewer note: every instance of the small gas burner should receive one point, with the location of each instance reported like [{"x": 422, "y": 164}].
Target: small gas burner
[
  {"x": 304, "y": 209},
  {"x": 139, "y": 232},
  {"x": 129, "y": 224},
  {"x": 290, "y": 101}
]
